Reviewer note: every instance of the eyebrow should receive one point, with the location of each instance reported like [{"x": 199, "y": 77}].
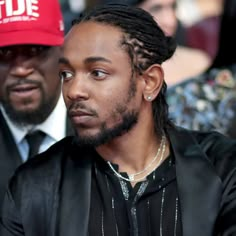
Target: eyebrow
[
  {"x": 88, "y": 60},
  {"x": 96, "y": 59},
  {"x": 64, "y": 61}
]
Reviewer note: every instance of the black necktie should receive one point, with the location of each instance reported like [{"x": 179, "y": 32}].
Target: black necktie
[{"x": 34, "y": 140}]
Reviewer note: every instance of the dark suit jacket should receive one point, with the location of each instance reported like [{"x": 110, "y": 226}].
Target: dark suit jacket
[
  {"x": 50, "y": 194},
  {"x": 10, "y": 157}
]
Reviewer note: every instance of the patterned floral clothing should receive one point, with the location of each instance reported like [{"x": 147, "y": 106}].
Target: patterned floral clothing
[{"x": 206, "y": 102}]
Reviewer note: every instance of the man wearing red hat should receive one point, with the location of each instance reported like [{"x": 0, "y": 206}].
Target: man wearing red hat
[{"x": 31, "y": 33}]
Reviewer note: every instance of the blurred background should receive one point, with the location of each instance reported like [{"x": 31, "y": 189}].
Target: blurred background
[{"x": 198, "y": 20}]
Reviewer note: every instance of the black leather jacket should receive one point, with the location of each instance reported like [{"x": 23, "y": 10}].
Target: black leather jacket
[{"x": 50, "y": 194}]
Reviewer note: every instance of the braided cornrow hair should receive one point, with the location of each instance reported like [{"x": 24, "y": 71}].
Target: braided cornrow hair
[{"x": 144, "y": 41}]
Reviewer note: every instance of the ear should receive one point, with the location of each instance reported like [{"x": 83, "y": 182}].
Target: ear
[{"x": 153, "y": 78}]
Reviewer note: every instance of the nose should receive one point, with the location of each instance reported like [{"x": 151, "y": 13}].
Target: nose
[
  {"x": 76, "y": 88},
  {"x": 21, "y": 67}
]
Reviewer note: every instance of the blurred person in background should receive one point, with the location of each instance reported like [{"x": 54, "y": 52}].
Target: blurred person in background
[
  {"x": 208, "y": 101},
  {"x": 204, "y": 33},
  {"x": 70, "y": 10},
  {"x": 32, "y": 110},
  {"x": 192, "y": 11},
  {"x": 186, "y": 61}
]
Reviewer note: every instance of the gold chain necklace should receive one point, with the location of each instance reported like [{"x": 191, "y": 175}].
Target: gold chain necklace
[{"x": 131, "y": 177}]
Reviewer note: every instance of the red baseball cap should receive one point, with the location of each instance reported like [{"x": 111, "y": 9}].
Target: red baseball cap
[{"x": 31, "y": 22}]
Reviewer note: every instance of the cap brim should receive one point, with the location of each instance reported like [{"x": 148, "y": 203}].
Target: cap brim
[{"x": 30, "y": 37}]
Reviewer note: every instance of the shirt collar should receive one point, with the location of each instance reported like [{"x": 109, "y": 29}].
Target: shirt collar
[{"x": 56, "y": 131}]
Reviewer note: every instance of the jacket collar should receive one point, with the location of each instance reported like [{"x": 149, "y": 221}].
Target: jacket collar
[{"x": 198, "y": 185}]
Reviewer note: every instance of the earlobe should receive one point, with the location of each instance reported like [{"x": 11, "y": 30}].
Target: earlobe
[{"x": 154, "y": 78}]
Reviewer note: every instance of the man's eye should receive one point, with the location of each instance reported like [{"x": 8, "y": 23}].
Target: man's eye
[
  {"x": 99, "y": 74},
  {"x": 5, "y": 53},
  {"x": 36, "y": 50},
  {"x": 64, "y": 75}
]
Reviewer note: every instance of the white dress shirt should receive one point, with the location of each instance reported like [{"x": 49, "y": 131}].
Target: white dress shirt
[{"x": 54, "y": 127}]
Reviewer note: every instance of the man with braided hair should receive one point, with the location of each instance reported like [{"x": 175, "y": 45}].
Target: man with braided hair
[{"x": 129, "y": 170}]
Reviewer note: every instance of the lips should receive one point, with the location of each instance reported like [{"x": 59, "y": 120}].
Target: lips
[
  {"x": 80, "y": 116},
  {"x": 24, "y": 87},
  {"x": 79, "y": 113},
  {"x": 24, "y": 91}
]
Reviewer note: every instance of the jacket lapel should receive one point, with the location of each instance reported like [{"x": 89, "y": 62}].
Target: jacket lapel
[
  {"x": 9, "y": 149},
  {"x": 75, "y": 195},
  {"x": 198, "y": 185},
  {"x": 10, "y": 157}
]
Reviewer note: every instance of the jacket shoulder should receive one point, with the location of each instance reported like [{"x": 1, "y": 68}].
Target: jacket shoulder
[
  {"x": 214, "y": 147},
  {"x": 43, "y": 168}
]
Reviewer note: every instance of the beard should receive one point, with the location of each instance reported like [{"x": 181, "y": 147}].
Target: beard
[
  {"x": 106, "y": 134},
  {"x": 29, "y": 117}
]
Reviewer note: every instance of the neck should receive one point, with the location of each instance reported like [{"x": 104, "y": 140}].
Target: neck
[
  {"x": 141, "y": 175},
  {"x": 132, "y": 152}
]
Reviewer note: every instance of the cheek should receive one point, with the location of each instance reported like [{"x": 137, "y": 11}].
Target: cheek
[
  {"x": 51, "y": 79},
  {"x": 114, "y": 106},
  {"x": 52, "y": 84},
  {"x": 2, "y": 83},
  {"x": 4, "y": 70},
  {"x": 3, "y": 80}
]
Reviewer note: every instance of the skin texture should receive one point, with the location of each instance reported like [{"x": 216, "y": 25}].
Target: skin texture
[
  {"x": 106, "y": 103},
  {"x": 29, "y": 82}
]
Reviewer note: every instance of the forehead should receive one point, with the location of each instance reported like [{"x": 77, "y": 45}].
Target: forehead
[{"x": 90, "y": 38}]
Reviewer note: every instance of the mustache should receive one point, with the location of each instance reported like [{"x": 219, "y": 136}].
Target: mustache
[
  {"x": 23, "y": 81},
  {"x": 78, "y": 106}
]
